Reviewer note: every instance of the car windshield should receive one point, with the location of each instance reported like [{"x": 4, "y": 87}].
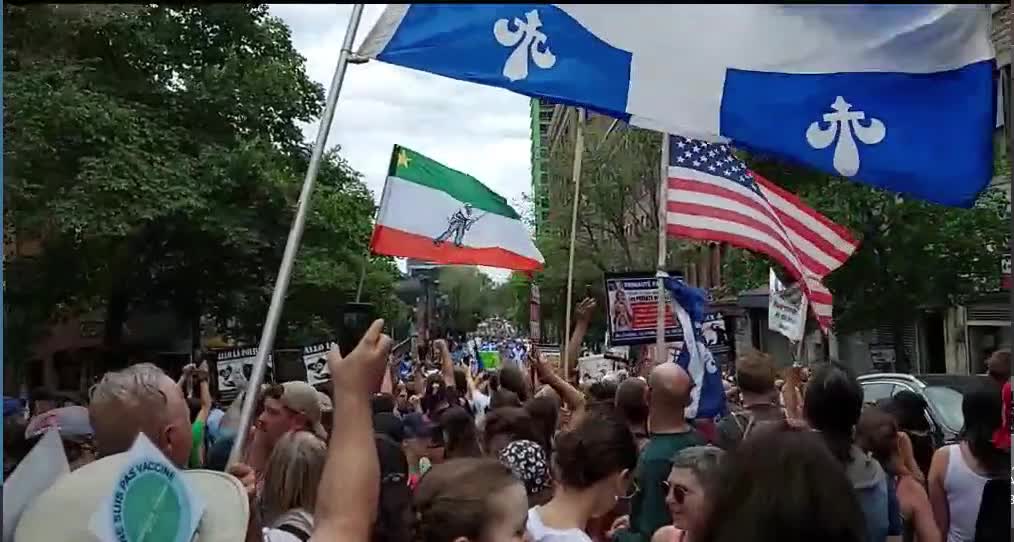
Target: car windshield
[{"x": 947, "y": 402}]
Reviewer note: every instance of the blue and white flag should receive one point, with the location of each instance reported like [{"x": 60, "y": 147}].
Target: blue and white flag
[
  {"x": 902, "y": 97},
  {"x": 707, "y": 398}
]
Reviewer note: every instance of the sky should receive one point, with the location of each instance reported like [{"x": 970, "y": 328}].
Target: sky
[{"x": 482, "y": 131}]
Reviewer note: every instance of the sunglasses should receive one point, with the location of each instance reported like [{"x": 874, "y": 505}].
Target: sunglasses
[{"x": 679, "y": 493}]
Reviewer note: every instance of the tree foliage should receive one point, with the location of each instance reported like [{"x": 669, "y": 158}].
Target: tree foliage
[
  {"x": 617, "y": 225},
  {"x": 154, "y": 151},
  {"x": 466, "y": 297},
  {"x": 913, "y": 254}
]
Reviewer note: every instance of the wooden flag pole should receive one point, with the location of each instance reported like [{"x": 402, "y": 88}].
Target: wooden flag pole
[
  {"x": 578, "y": 152},
  {"x": 292, "y": 244},
  {"x": 660, "y": 270}
]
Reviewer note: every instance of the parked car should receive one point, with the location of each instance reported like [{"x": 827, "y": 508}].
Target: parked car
[{"x": 943, "y": 394}]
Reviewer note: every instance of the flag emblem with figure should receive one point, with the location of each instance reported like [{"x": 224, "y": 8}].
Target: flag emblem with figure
[{"x": 432, "y": 212}]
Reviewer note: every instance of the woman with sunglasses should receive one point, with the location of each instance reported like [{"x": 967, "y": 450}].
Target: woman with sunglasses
[{"x": 688, "y": 491}]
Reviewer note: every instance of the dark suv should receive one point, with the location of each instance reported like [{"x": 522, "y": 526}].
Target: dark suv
[{"x": 943, "y": 394}]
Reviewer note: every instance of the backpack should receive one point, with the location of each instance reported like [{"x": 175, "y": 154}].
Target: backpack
[{"x": 746, "y": 421}]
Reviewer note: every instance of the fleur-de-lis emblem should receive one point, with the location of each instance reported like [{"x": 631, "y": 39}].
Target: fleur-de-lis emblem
[
  {"x": 843, "y": 123},
  {"x": 529, "y": 41}
]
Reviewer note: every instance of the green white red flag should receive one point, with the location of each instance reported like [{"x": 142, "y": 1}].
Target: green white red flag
[{"x": 432, "y": 212}]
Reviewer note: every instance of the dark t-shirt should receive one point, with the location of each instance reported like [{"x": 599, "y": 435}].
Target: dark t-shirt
[
  {"x": 648, "y": 511},
  {"x": 730, "y": 430}
]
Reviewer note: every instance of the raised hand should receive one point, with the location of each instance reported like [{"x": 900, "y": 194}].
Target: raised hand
[
  {"x": 362, "y": 370},
  {"x": 586, "y": 309}
]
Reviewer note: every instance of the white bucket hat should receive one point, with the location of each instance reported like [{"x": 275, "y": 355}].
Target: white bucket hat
[{"x": 64, "y": 511}]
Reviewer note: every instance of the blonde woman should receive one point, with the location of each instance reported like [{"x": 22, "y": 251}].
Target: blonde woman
[{"x": 289, "y": 495}]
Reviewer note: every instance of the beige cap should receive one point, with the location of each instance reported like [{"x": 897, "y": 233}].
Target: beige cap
[
  {"x": 64, "y": 511},
  {"x": 301, "y": 397}
]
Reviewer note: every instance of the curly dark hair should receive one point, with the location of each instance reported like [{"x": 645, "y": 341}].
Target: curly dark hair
[{"x": 600, "y": 445}]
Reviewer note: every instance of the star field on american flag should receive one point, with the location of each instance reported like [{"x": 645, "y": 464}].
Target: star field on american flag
[
  {"x": 715, "y": 158},
  {"x": 713, "y": 196}
]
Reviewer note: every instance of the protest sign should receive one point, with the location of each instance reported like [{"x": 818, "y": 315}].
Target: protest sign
[
  {"x": 594, "y": 368},
  {"x": 40, "y": 469},
  {"x": 490, "y": 359},
  {"x": 315, "y": 361},
  {"x": 632, "y": 309},
  {"x": 233, "y": 368},
  {"x": 151, "y": 501},
  {"x": 786, "y": 309}
]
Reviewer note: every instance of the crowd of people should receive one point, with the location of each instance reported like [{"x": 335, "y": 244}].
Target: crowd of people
[{"x": 509, "y": 455}]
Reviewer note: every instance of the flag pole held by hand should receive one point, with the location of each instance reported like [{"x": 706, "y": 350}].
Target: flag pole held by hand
[{"x": 292, "y": 244}]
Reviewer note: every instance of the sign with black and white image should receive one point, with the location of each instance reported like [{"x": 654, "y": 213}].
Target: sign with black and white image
[{"x": 315, "y": 360}]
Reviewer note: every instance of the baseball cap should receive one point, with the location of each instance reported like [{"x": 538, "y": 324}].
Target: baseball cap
[
  {"x": 12, "y": 406},
  {"x": 71, "y": 422},
  {"x": 64, "y": 511},
  {"x": 300, "y": 397}
]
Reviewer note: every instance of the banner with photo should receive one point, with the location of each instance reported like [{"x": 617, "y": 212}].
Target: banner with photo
[
  {"x": 232, "y": 369},
  {"x": 632, "y": 309},
  {"x": 717, "y": 338},
  {"x": 315, "y": 360}
]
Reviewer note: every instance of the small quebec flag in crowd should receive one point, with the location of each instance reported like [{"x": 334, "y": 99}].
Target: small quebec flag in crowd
[{"x": 707, "y": 399}]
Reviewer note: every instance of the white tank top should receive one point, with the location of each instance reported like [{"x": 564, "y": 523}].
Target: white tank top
[{"x": 963, "y": 487}]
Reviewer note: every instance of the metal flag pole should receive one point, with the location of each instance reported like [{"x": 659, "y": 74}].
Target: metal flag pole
[
  {"x": 292, "y": 244},
  {"x": 660, "y": 271},
  {"x": 362, "y": 275},
  {"x": 578, "y": 152}
]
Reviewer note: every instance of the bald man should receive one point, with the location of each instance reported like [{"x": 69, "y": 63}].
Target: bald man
[{"x": 668, "y": 395}]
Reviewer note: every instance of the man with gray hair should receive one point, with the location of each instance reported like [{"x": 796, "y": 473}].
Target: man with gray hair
[
  {"x": 141, "y": 399},
  {"x": 138, "y": 399}
]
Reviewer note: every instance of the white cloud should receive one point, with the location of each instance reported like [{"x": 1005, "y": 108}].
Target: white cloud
[{"x": 482, "y": 131}]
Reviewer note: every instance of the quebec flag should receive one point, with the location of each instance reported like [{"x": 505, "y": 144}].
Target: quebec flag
[
  {"x": 901, "y": 97},
  {"x": 707, "y": 398}
]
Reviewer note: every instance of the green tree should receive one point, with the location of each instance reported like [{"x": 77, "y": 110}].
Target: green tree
[
  {"x": 155, "y": 153},
  {"x": 469, "y": 295},
  {"x": 617, "y": 226},
  {"x": 912, "y": 255}
]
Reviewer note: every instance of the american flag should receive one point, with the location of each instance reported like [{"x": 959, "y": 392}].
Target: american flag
[{"x": 713, "y": 196}]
